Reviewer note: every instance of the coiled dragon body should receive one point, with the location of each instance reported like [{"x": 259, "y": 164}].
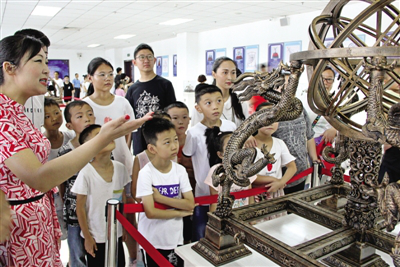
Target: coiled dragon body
[{"x": 238, "y": 162}]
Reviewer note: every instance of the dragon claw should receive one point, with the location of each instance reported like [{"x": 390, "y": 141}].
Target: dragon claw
[{"x": 267, "y": 155}]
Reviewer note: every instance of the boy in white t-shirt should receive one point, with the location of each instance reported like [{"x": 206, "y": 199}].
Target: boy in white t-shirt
[
  {"x": 97, "y": 182},
  {"x": 165, "y": 182},
  {"x": 209, "y": 102}
]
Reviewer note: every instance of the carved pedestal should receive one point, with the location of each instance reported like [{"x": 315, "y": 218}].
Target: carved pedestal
[
  {"x": 361, "y": 208},
  {"x": 358, "y": 254},
  {"x": 217, "y": 247}
]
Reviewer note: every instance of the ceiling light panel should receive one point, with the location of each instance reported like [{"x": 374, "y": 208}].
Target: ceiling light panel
[
  {"x": 173, "y": 22},
  {"x": 48, "y": 11}
]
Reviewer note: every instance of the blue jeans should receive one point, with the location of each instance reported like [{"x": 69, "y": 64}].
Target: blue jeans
[
  {"x": 200, "y": 219},
  {"x": 76, "y": 249}
]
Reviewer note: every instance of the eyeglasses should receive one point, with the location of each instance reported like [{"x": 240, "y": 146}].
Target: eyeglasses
[
  {"x": 142, "y": 57},
  {"x": 104, "y": 76},
  {"x": 327, "y": 80}
]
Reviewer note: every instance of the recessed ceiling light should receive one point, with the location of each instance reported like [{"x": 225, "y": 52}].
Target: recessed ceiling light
[
  {"x": 48, "y": 11},
  {"x": 124, "y": 36},
  {"x": 93, "y": 45},
  {"x": 175, "y": 22}
]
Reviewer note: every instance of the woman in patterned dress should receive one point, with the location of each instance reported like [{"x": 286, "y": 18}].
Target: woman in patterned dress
[{"x": 26, "y": 179}]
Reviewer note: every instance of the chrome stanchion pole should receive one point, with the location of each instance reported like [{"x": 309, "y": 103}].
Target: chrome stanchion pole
[
  {"x": 315, "y": 175},
  {"x": 111, "y": 257}
]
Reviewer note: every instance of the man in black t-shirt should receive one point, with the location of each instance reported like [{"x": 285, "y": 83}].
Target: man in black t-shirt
[{"x": 150, "y": 93}]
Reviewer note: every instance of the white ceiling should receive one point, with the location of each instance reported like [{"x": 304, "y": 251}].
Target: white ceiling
[{"x": 83, "y": 22}]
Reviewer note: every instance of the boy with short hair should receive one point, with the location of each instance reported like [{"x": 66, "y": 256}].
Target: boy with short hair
[
  {"x": 210, "y": 103},
  {"x": 179, "y": 113},
  {"x": 78, "y": 115},
  {"x": 98, "y": 181},
  {"x": 165, "y": 182}
]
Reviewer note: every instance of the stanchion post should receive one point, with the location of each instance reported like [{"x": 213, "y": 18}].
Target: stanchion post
[
  {"x": 111, "y": 258},
  {"x": 315, "y": 175}
]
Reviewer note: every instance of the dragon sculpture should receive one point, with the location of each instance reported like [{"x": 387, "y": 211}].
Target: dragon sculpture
[{"x": 238, "y": 163}]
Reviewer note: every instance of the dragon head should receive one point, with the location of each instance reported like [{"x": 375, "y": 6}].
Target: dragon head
[{"x": 258, "y": 83}]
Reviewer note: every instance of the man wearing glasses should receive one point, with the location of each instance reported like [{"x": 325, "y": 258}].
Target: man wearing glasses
[
  {"x": 150, "y": 93},
  {"x": 324, "y": 132}
]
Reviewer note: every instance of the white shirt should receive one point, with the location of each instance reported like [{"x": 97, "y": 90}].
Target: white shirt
[
  {"x": 98, "y": 191},
  {"x": 162, "y": 234},
  {"x": 282, "y": 157},
  {"x": 118, "y": 108},
  {"x": 67, "y": 136},
  {"x": 195, "y": 147}
]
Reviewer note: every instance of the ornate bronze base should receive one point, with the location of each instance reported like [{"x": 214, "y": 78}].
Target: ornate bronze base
[
  {"x": 217, "y": 247},
  {"x": 358, "y": 254},
  {"x": 334, "y": 203}
]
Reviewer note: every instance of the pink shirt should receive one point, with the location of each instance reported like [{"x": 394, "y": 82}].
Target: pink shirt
[{"x": 120, "y": 92}]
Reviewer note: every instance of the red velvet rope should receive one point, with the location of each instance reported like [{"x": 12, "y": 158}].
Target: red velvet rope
[{"x": 147, "y": 246}]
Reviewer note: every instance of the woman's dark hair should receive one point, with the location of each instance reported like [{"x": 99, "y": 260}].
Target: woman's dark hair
[
  {"x": 237, "y": 107},
  {"x": 91, "y": 69},
  {"x": 202, "y": 78},
  {"x": 36, "y": 34},
  {"x": 14, "y": 48},
  {"x": 215, "y": 142}
]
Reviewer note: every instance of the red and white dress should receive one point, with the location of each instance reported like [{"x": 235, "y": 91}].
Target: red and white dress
[{"x": 35, "y": 229}]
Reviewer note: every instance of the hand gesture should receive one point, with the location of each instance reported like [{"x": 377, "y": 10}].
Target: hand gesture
[
  {"x": 250, "y": 142},
  {"x": 329, "y": 135},
  {"x": 122, "y": 126},
  {"x": 275, "y": 185},
  {"x": 90, "y": 246},
  {"x": 156, "y": 195}
]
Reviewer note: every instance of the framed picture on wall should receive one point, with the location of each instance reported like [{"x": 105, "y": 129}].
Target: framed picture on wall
[
  {"x": 210, "y": 58},
  {"x": 275, "y": 55},
  {"x": 251, "y": 58},
  {"x": 60, "y": 65},
  {"x": 290, "y": 48},
  {"x": 159, "y": 66},
  {"x": 238, "y": 57},
  {"x": 221, "y": 52},
  {"x": 175, "y": 65},
  {"x": 165, "y": 66}
]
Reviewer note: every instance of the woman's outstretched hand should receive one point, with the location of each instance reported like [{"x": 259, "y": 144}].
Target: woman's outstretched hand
[{"x": 123, "y": 126}]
